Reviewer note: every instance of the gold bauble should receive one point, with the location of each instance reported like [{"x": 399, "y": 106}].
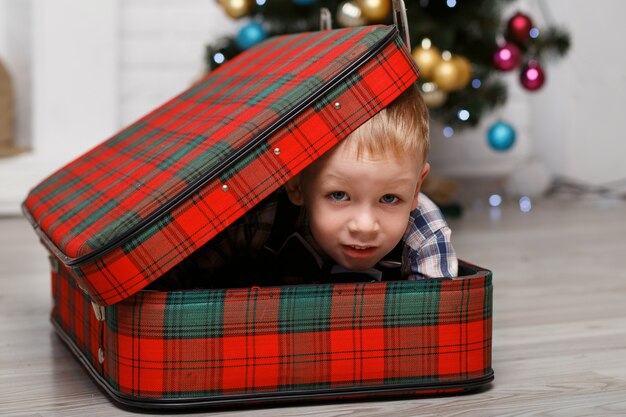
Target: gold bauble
[
  {"x": 375, "y": 10},
  {"x": 446, "y": 75},
  {"x": 349, "y": 14},
  {"x": 464, "y": 67},
  {"x": 237, "y": 8},
  {"x": 427, "y": 59}
]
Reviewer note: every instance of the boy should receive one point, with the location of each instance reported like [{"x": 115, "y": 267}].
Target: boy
[{"x": 353, "y": 207}]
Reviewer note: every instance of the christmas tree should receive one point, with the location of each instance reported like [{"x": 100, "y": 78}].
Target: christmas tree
[{"x": 462, "y": 48}]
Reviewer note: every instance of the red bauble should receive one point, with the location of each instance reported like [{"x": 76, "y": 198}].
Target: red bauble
[
  {"x": 507, "y": 57},
  {"x": 532, "y": 76},
  {"x": 518, "y": 28}
]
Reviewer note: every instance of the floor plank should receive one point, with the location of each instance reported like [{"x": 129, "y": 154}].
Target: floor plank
[{"x": 559, "y": 322}]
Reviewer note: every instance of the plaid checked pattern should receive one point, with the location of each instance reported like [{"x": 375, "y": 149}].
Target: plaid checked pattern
[
  {"x": 428, "y": 250},
  {"x": 116, "y": 215},
  {"x": 295, "y": 339},
  {"x": 73, "y": 315}
]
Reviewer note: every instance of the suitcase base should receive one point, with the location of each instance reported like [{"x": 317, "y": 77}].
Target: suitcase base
[
  {"x": 254, "y": 346},
  {"x": 340, "y": 394}
]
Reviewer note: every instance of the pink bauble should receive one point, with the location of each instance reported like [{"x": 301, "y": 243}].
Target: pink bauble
[
  {"x": 507, "y": 57},
  {"x": 532, "y": 76},
  {"x": 518, "y": 28}
]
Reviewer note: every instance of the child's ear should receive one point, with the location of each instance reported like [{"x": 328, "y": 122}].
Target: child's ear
[
  {"x": 423, "y": 175},
  {"x": 294, "y": 190}
]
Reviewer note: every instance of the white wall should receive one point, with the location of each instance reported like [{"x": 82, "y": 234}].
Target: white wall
[
  {"x": 579, "y": 122},
  {"x": 75, "y": 75},
  {"x": 97, "y": 66},
  {"x": 162, "y": 49},
  {"x": 16, "y": 54}
]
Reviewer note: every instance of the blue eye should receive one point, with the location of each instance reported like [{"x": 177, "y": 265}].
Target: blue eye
[
  {"x": 338, "y": 196},
  {"x": 389, "y": 199}
]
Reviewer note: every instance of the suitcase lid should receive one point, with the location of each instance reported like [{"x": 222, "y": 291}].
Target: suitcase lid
[{"x": 103, "y": 200}]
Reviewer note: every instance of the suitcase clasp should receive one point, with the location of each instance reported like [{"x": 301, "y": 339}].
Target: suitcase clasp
[{"x": 99, "y": 311}]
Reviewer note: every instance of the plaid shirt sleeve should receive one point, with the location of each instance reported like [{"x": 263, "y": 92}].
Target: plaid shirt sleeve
[{"x": 428, "y": 252}]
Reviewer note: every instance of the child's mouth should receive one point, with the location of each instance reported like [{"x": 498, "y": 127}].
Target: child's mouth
[{"x": 357, "y": 251}]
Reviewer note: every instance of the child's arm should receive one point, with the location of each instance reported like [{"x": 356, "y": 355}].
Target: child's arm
[
  {"x": 436, "y": 257},
  {"x": 428, "y": 252}
]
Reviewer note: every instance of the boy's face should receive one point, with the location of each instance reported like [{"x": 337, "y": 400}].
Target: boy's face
[{"x": 358, "y": 208}]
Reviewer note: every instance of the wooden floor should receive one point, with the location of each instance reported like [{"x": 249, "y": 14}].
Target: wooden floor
[{"x": 559, "y": 322}]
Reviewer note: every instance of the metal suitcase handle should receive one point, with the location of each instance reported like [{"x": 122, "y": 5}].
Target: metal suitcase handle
[{"x": 399, "y": 19}]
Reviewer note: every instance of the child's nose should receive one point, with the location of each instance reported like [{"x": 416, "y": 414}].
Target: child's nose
[{"x": 363, "y": 221}]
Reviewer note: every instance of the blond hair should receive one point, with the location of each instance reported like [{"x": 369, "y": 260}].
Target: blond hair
[{"x": 400, "y": 128}]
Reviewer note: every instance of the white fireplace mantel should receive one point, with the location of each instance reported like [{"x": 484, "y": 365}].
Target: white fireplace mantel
[{"x": 74, "y": 43}]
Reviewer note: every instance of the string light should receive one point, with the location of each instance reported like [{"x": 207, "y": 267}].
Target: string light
[
  {"x": 219, "y": 58},
  {"x": 534, "y": 33},
  {"x": 476, "y": 83},
  {"x": 495, "y": 200},
  {"x": 448, "y": 131},
  {"x": 451, "y": 3},
  {"x": 463, "y": 115},
  {"x": 525, "y": 204}
]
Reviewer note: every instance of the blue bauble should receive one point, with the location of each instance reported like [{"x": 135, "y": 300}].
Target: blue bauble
[
  {"x": 304, "y": 2},
  {"x": 250, "y": 34},
  {"x": 501, "y": 136}
]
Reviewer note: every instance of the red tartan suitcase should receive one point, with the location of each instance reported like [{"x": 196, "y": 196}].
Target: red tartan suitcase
[{"x": 123, "y": 214}]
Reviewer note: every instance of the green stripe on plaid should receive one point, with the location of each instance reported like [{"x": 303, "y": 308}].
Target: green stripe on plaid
[
  {"x": 294, "y": 96},
  {"x": 194, "y": 315},
  {"x": 235, "y": 168},
  {"x": 488, "y": 302},
  {"x": 305, "y": 309},
  {"x": 85, "y": 203},
  {"x": 122, "y": 221},
  {"x": 149, "y": 232},
  {"x": 331, "y": 97},
  {"x": 112, "y": 320},
  {"x": 414, "y": 303},
  {"x": 257, "y": 98},
  {"x": 194, "y": 172}
]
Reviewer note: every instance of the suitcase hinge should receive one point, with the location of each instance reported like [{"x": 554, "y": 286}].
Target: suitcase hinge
[
  {"x": 98, "y": 311},
  {"x": 54, "y": 264}
]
